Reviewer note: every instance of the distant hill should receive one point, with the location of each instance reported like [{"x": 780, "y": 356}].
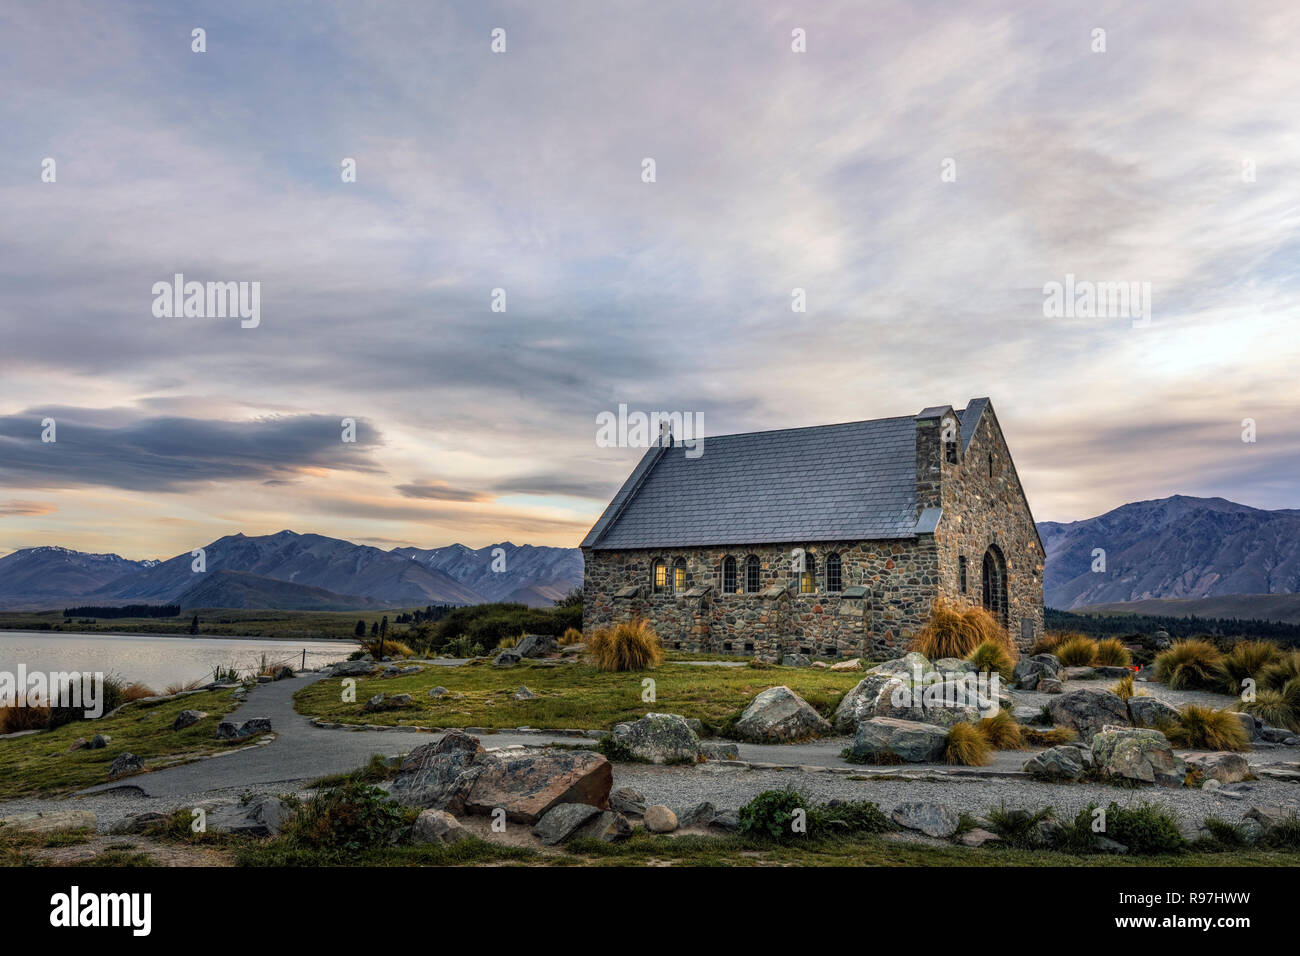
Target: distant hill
[
  {"x": 1178, "y": 547},
  {"x": 1284, "y": 608},
  {"x": 294, "y": 572}
]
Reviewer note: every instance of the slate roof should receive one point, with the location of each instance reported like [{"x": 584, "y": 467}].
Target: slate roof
[{"x": 855, "y": 481}]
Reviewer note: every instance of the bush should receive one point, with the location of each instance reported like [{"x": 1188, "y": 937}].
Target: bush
[
  {"x": 1204, "y": 728},
  {"x": 626, "y": 646},
  {"x": 508, "y": 642},
  {"x": 1275, "y": 676},
  {"x": 1146, "y": 828},
  {"x": 992, "y": 658},
  {"x": 570, "y": 637},
  {"x": 1077, "y": 651},
  {"x": 842, "y": 817},
  {"x": 770, "y": 814},
  {"x": 954, "y": 631},
  {"x": 1048, "y": 643},
  {"x": 1124, "y": 687},
  {"x": 1273, "y": 708},
  {"x": 1283, "y": 836},
  {"x": 347, "y": 819},
  {"x": 1246, "y": 659},
  {"x": 1020, "y": 829},
  {"x": 1047, "y": 738},
  {"x": 1001, "y": 732},
  {"x": 1111, "y": 652},
  {"x": 1191, "y": 664},
  {"x": 14, "y": 719},
  {"x": 966, "y": 747},
  {"x": 390, "y": 648},
  {"x": 487, "y": 624}
]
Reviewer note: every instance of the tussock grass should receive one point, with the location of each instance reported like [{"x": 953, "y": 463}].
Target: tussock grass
[
  {"x": 1246, "y": 659},
  {"x": 1048, "y": 643},
  {"x": 1189, "y": 665},
  {"x": 1111, "y": 652},
  {"x": 956, "y": 631},
  {"x": 1274, "y": 709},
  {"x": 570, "y": 637},
  {"x": 1047, "y": 738},
  {"x": 991, "y": 657},
  {"x": 1002, "y": 732},
  {"x": 967, "y": 747},
  {"x": 1286, "y": 668},
  {"x": 1204, "y": 728},
  {"x": 1077, "y": 651},
  {"x": 1124, "y": 687},
  {"x": 626, "y": 646}
]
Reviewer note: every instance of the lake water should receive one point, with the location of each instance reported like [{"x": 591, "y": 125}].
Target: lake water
[{"x": 155, "y": 660}]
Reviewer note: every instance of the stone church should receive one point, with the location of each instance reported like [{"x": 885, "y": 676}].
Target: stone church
[{"x": 832, "y": 540}]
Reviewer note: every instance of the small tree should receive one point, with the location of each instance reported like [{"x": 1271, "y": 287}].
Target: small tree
[
  {"x": 194, "y": 625},
  {"x": 360, "y": 629}
]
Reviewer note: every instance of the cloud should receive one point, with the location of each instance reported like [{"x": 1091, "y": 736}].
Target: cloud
[
  {"x": 440, "y": 491},
  {"x": 15, "y": 508}
]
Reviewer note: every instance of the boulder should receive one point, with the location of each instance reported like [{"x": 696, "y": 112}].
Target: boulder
[
  {"x": 138, "y": 822},
  {"x": 944, "y": 703},
  {"x": 863, "y": 701},
  {"x": 695, "y": 815},
  {"x": 1030, "y": 670},
  {"x": 608, "y": 826},
  {"x": 50, "y": 821},
  {"x": 1079, "y": 673},
  {"x": 438, "y": 691},
  {"x": 1276, "y": 735},
  {"x": 1058, "y": 763},
  {"x": 1050, "y": 685},
  {"x": 527, "y": 784},
  {"x": 125, "y": 763},
  {"x": 908, "y": 666},
  {"x": 627, "y": 801},
  {"x": 507, "y": 658},
  {"x": 1223, "y": 766},
  {"x": 99, "y": 742},
  {"x": 523, "y": 693},
  {"x": 796, "y": 660},
  {"x": 659, "y": 819},
  {"x": 728, "y": 821},
  {"x": 1027, "y": 715},
  {"x": 853, "y": 664},
  {"x": 1112, "y": 671},
  {"x": 81, "y": 743},
  {"x": 353, "y": 668},
  {"x": 661, "y": 738},
  {"x": 260, "y": 817},
  {"x": 932, "y": 819},
  {"x": 229, "y": 730},
  {"x": 384, "y": 702},
  {"x": 779, "y": 715},
  {"x": 1138, "y": 755},
  {"x": 438, "y": 775},
  {"x": 977, "y": 837},
  {"x": 438, "y": 826},
  {"x": 1147, "y": 711},
  {"x": 1088, "y": 711},
  {"x": 954, "y": 665},
  {"x": 1248, "y": 723},
  {"x": 562, "y": 821},
  {"x": 535, "y": 645},
  {"x": 888, "y": 740},
  {"x": 711, "y": 750},
  {"x": 187, "y": 718}
]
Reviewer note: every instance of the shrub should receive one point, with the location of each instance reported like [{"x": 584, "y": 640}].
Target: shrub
[
  {"x": 171, "y": 690},
  {"x": 614, "y": 750},
  {"x": 1223, "y": 835},
  {"x": 1048, "y": 643},
  {"x": 1204, "y": 728},
  {"x": 1124, "y": 687},
  {"x": 1284, "y": 835},
  {"x": 347, "y": 819},
  {"x": 570, "y": 637},
  {"x": 1047, "y": 738},
  {"x": 390, "y": 648},
  {"x": 1246, "y": 659},
  {"x": 954, "y": 631},
  {"x": 626, "y": 646},
  {"x": 1111, "y": 652},
  {"x": 1001, "y": 731},
  {"x": 1189, "y": 665},
  {"x": 771, "y": 813},
  {"x": 1145, "y": 828},
  {"x": 992, "y": 658},
  {"x": 966, "y": 746},
  {"x": 16, "y": 718},
  {"x": 508, "y": 642},
  {"x": 1020, "y": 829},
  {"x": 1286, "y": 668},
  {"x": 842, "y": 817},
  {"x": 1077, "y": 651},
  {"x": 1273, "y": 708},
  {"x": 137, "y": 690}
]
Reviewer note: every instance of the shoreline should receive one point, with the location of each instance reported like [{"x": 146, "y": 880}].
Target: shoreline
[{"x": 215, "y": 637}]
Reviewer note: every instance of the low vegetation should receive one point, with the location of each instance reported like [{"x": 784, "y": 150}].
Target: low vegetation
[
  {"x": 956, "y": 631},
  {"x": 967, "y": 746},
  {"x": 992, "y": 658},
  {"x": 1076, "y": 651},
  {"x": 1002, "y": 732},
  {"x": 1191, "y": 664},
  {"x": 1204, "y": 728},
  {"x": 626, "y": 646}
]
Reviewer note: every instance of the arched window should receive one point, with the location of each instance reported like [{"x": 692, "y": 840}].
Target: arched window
[
  {"x": 995, "y": 584},
  {"x": 834, "y": 576},
  {"x": 679, "y": 575},
  {"x": 961, "y": 572},
  {"x": 752, "y": 575},
  {"x": 660, "y": 576},
  {"x": 808, "y": 577},
  {"x": 990, "y": 464},
  {"x": 729, "y": 575}
]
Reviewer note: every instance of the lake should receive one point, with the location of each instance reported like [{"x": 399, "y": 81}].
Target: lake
[{"x": 156, "y": 660}]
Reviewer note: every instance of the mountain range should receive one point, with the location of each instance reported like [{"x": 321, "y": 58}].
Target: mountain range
[
  {"x": 293, "y": 571},
  {"x": 1173, "y": 548}
]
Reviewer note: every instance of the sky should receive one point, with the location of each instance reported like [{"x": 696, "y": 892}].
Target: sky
[{"x": 922, "y": 171}]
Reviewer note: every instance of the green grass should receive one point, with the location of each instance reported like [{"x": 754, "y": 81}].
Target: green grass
[
  {"x": 571, "y": 695},
  {"x": 39, "y": 764}
]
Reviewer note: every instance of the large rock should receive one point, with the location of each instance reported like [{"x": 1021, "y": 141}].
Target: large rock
[
  {"x": 260, "y": 817},
  {"x": 863, "y": 701},
  {"x": 229, "y": 730},
  {"x": 1059, "y": 763},
  {"x": 778, "y": 715},
  {"x": 1138, "y": 755},
  {"x": 1088, "y": 711},
  {"x": 1147, "y": 711},
  {"x": 1030, "y": 670},
  {"x": 932, "y": 819},
  {"x": 943, "y": 703},
  {"x": 507, "y": 658},
  {"x": 1223, "y": 766},
  {"x": 889, "y": 740},
  {"x": 535, "y": 645},
  {"x": 438, "y": 775},
  {"x": 50, "y": 821},
  {"x": 853, "y": 664},
  {"x": 384, "y": 702},
  {"x": 626, "y": 800},
  {"x": 527, "y": 784},
  {"x": 187, "y": 718},
  {"x": 124, "y": 764},
  {"x": 353, "y": 668},
  {"x": 909, "y": 666},
  {"x": 608, "y": 826},
  {"x": 562, "y": 821},
  {"x": 659, "y": 819},
  {"x": 661, "y": 738},
  {"x": 695, "y": 815},
  {"x": 438, "y": 826}
]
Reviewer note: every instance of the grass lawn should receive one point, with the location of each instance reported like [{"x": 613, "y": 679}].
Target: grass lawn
[
  {"x": 570, "y": 695},
  {"x": 40, "y": 764}
]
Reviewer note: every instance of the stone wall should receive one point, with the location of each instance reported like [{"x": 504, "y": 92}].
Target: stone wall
[{"x": 901, "y": 578}]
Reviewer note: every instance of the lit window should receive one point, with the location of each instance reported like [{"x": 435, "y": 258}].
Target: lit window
[
  {"x": 679, "y": 575},
  {"x": 661, "y": 577},
  {"x": 834, "y": 578},
  {"x": 808, "y": 577}
]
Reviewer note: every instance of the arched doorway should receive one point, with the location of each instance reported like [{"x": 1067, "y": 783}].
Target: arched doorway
[{"x": 995, "y": 584}]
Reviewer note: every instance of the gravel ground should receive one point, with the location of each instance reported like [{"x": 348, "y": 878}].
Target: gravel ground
[{"x": 730, "y": 788}]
